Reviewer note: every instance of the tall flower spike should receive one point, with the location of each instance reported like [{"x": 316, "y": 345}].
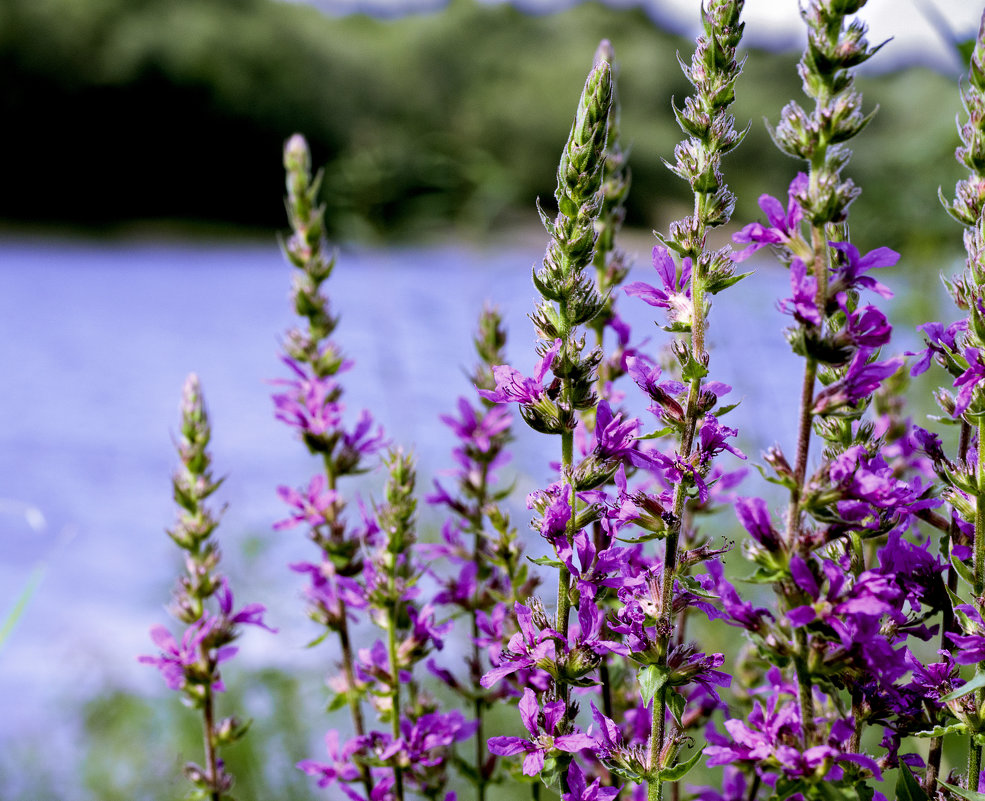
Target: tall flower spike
[
  {"x": 202, "y": 600},
  {"x": 710, "y": 134}
]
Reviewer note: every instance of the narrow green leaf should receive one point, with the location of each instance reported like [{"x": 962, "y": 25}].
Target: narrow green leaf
[
  {"x": 545, "y": 561},
  {"x": 681, "y": 769},
  {"x": 942, "y": 731},
  {"x": 970, "y": 795},
  {"x": 676, "y": 704},
  {"x": 977, "y": 682},
  {"x": 20, "y": 605},
  {"x": 907, "y": 787},
  {"x": 963, "y": 570}
]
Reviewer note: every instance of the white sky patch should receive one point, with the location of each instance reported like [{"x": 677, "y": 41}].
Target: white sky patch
[{"x": 919, "y": 29}]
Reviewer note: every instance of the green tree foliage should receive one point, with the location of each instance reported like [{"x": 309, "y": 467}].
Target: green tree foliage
[{"x": 121, "y": 110}]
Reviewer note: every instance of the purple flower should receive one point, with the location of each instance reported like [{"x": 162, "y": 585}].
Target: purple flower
[
  {"x": 755, "y": 517},
  {"x": 849, "y": 274},
  {"x": 969, "y": 380},
  {"x": 868, "y": 328},
  {"x": 803, "y": 302},
  {"x": 738, "y": 612},
  {"x": 513, "y": 387},
  {"x": 525, "y": 649},
  {"x": 783, "y": 223},
  {"x": 185, "y": 661},
  {"x": 249, "y": 615},
  {"x": 861, "y": 379},
  {"x": 311, "y": 506},
  {"x": 478, "y": 429},
  {"x": 971, "y": 645},
  {"x": 543, "y": 740},
  {"x": 309, "y": 402},
  {"x": 675, "y": 297},
  {"x": 340, "y": 768},
  {"x": 580, "y": 790},
  {"x": 940, "y": 341}
]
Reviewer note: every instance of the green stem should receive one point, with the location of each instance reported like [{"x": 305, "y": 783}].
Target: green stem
[
  {"x": 564, "y": 576},
  {"x": 398, "y": 775},
  {"x": 208, "y": 732}
]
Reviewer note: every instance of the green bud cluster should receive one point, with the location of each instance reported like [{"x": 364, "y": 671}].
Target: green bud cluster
[
  {"x": 970, "y": 192},
  {"x": 193, "y": 483},
  {"x": 707, "y": 124},
  {"x": 571, "y": 298},
  {"x": 306, "y": 250},
  {"x": 611, "y": 262},
  {"x": 834, "y": 49}
]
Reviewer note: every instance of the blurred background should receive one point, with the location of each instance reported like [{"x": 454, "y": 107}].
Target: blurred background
[{"x": 140, "y": 165}]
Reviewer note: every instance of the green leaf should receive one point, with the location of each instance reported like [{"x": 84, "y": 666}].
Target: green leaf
[
  {"x": 963, "y": 570},
  {"x": 907, "y": 787},
  {"x": 651, "y": 678},
  {"x": 545, "y": 561},
  {"x": 554, "y": 768},
  {"x": 976, "y": 683},
  {"x": 970, "y": 795},
  {"x": 676, "y": 704},
  {"x": 693, "y": 369},
  {"x": 8, "y": 622},
  {"x": 318, "y": 640},
  {"x": 941, "y": 731},
  {"x": 681, "y": 769},
  {"x": 717, "y": 285},
  {"x": 722, "y": 410}
]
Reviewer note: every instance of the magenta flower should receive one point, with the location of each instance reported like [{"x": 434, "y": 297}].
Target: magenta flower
[
  {"x": 179, "y": 662},
  {"x": 783, "y": 223},
  {"x": 675, "y": 296},
  {"x": 851, "y": 274},
  {"x": 861, "y": 379},
  {"x": 513, "y": 387},
  {"x": 340, "y": 768},
  {"x": 803, "y": 302},
  {"x": 581, "y": 790},
  {"x": 970, "y": 380},
  {"x": 543, "y": 740},
  {"x": 309, "y": 402},
  {"x": 528, "y": 646},
  {"x": 310, "y": 506}
]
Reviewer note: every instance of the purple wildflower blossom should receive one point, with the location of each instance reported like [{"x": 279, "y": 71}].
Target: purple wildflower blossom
[
  {"x": 340, "y": 768},
  {"x": 755, "y": 517},
  {"x": 970, "y": 380},
  {"x": 802, "y": 304},
  {"x": 737, "y": 612},
  {"x": 861, "y": 379},
  {"x": 580, "y": 790},
  {"x": 940, "y": 341},
  {"x": 850, "y": 275},
  {"x": 783, "y": 223},
  {"x": 513, "y": 387},
  {"x": 310, "y": 506},
  {"x": 543, "y": 740},
  {"x": 309, "y": 402},
  {"x": 477, "y": 430},
  {"x": 675, "y": 296},
  {"x": 526, "y": 647},
  {"x": 179, "y": 662}
]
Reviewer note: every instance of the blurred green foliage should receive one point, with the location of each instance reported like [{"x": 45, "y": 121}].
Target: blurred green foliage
[{"x": 121, "y": 110}]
